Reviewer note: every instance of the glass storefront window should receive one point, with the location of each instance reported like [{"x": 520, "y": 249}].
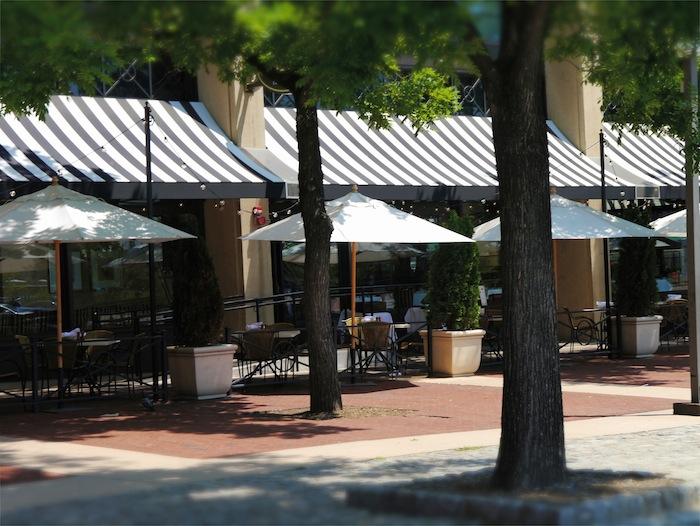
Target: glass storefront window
[
  {"x": 27, "y": 277},
  {"x": 114, "y": 273}
]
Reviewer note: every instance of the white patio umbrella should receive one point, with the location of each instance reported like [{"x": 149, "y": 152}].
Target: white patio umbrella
[
  {"x": 572, "y": 220},
  {"x": 366, "y": 253},
  {"x": 359, "y": 219},
  {"x": 58, "y": 215},
  {"x": 674, "y": 225}
]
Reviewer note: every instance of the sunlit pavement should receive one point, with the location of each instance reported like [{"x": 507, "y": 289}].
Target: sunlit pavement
[{"x": 246, "y": 460}]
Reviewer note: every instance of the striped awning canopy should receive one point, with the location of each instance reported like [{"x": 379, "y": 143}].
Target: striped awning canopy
[
  {"x": 656, "y": 160},
  {"x": 456, "y": 152},
  {"x": 102, "y": 140}
]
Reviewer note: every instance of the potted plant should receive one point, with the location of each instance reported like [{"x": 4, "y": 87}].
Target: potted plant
[
  {"x": 453, "y": 297},
  {"x": 199, "y": 367},
  {"x": 635, "y": 291}
]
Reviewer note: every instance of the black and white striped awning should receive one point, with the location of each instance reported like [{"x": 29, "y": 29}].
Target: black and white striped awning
[
  {"x": 101, "y": 140},
  {"x": 456, "y": 153},
  {"x": 656, "y": 160}
]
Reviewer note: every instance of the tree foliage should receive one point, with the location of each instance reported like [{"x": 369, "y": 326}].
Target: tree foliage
[
  {"x": 422, "y": 96},
  {"x": 46, "y": 47},
  {"x": 454, "y": 279},
  {"x": 636, "y": 52},
  {"x": 635, "y": 283}
]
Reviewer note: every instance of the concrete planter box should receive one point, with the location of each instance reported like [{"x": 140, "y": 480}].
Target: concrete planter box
[
  {"x": 202, "y": 373},
  {"x": 640, "y": 336},
  {"x": 455, "y": 353}
]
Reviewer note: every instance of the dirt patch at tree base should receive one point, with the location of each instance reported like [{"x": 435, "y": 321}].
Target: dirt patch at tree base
[
  {"x": 586, "y": 497},
  {"x": 347, "y": 412}
]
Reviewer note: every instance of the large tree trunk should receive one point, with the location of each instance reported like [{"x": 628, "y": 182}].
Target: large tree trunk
[
  {"x": 531, "y": 451},
  {"x": 323, "y": 373}
]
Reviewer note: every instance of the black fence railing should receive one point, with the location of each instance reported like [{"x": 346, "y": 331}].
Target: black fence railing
[
  {"x": 287, "y": 306},
  {"x": 34, "y": 374}
]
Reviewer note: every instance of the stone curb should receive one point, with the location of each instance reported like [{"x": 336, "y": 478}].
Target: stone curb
[{"x": 491, "y": 509}]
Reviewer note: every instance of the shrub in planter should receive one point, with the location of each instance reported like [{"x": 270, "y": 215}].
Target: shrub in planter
[
  {"x": 453, "y": 280},
  {"x": 453, "y": 296},
  {"x": 199, "y": 367},
  {"x": 635, "y": 290}
]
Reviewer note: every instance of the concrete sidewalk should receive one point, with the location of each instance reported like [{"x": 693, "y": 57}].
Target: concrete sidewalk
[
  {"x": 643, "y": 391},
  {"x": 308, "y": 485}
]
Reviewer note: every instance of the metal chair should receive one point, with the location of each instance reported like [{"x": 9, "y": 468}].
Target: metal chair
[
  {"x": 581, "y": 330},
  {"x": 127, "y": 358},
  {"x": 259, "y": 351},
  {"x": 675, "y": 320}
]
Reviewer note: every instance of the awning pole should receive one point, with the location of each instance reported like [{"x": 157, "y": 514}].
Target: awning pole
[
  {"x": 59, "y": 317},
  {"x": 606, "y": 255},
  {"x": 151, "y": 253}
]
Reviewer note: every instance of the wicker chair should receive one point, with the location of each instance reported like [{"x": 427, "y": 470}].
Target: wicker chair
[{"x": 375, "y": 344}]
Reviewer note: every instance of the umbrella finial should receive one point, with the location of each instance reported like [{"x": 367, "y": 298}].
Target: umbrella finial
[
  {"x": 354, "y": 188},
  {"x": 54, "y": 181}
]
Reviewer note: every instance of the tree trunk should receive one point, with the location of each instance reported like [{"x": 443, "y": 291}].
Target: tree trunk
[
  {"x": 531, "y": 452},
  {"x": 323, "y": 372}
]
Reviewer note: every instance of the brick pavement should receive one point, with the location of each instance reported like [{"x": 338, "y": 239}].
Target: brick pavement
[{"x": 239, "y": 425}]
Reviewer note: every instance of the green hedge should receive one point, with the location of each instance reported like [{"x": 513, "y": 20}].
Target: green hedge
[{"x": 453, "y": 281}]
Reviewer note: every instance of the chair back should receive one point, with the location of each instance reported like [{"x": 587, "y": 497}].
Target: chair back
[
  {"x": 353, "y": 325},
  {"x": 258, "y": 344},
  {"x": 99, "y": 334},
  {"x": 276, "y": 327},
  {"x": 375, "y": 335}
]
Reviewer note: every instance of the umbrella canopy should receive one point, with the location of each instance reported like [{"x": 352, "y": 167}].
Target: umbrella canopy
[
  {"x": 59, "y": 214},
  {"x": 357, "y": 218},
  {"x": 674, "y": 225},
  {"x": 572, "y": 220},
  {"x": 366, "y": 253}
]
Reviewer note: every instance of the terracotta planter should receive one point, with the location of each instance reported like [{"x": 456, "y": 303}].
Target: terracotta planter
[
  {"x": 640, "y": 336},
  {"x": 455, "y": 353},
  {"x": 202, "y": 373}
]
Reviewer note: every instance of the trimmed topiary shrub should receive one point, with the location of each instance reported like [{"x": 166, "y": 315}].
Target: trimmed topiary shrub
[
  {"x": 197, "y": 302},
  {"x": 635, "y": 276},
  {"x": 453, "y": 280}
]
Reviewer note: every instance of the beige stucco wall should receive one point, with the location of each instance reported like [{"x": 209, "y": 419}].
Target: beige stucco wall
[
  {"x": 222, "y": 230},
  {"x": 256, "y": 260},
  {"x": 239, "y": 111},
  {"x": 574, "y": 106},
  {"x": 244, "y": 267}
]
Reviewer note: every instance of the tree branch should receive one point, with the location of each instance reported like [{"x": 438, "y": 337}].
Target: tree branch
[{"x": 285, "y": 79}]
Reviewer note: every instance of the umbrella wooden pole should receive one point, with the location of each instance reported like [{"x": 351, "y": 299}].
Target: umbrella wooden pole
[
  {"x": 353, "y": 291},
  {"x": 353, "y": 286},
  {"x": 59, "y": 317}
]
